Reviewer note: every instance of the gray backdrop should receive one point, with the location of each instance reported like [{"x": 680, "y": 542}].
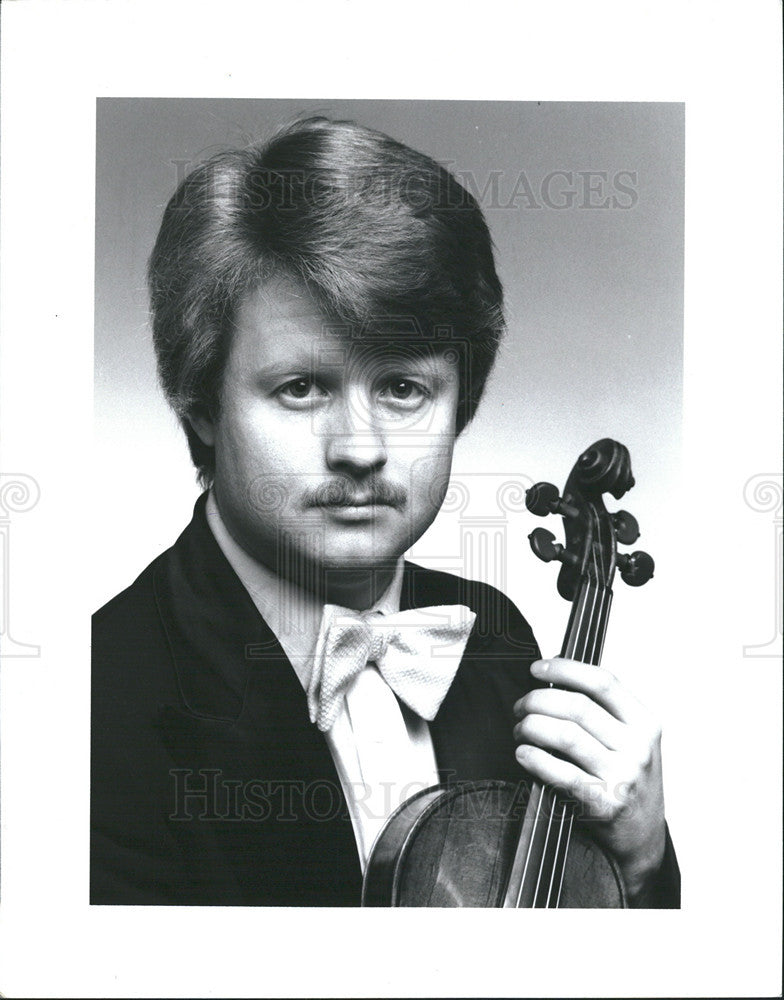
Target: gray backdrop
[{"x": 585, "y": 205}]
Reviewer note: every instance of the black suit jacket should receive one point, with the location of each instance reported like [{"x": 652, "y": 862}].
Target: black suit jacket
[{"x": 209, "y": 783}]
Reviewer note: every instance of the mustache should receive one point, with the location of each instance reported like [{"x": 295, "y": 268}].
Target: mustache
[{"x": 342, "y": 493}]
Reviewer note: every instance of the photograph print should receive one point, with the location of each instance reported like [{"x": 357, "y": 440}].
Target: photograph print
[{"x": 360, "y": 368}]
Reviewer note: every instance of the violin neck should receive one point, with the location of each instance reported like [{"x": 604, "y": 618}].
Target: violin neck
[
  {"x": 584, "y": 639},
  {"x": 537, "y": 869}
]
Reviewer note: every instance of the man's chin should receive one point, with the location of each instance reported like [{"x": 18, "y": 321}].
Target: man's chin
[
  {"x": 354, "y": 576},
  {"x": 358, "y": 560}
]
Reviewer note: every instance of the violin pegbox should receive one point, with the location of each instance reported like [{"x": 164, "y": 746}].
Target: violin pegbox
[{"x": 590, "y": 554}]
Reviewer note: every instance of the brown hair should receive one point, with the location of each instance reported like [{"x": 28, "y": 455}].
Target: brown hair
[{"x": 384, "y": 237}]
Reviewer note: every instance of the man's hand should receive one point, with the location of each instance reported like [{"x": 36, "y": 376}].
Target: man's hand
[{"x": 595, "y": 741}]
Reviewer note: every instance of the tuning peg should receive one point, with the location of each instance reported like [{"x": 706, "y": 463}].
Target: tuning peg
[
  {"x": 636, "y": 569},
  {"x": 543, "y": 499},
  {"x": 547, "y": 549},
  {"x": 627, "y": 531}
]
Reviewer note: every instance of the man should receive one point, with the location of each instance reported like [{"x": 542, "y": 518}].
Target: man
[{"x": 326, "y": 312}]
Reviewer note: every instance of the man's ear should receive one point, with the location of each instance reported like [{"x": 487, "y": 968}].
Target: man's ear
[{"x": 203, "y": 426}]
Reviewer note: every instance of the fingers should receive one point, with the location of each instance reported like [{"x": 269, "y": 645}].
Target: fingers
[
  {"x": 589, "y": 737},
  {"x": 606, "y": 786},
  {"x": 573, "y": 707},
  {"x": 595, "y": 682},
  {"x": 569, "y": 741},
  {"x": 594, "y": 795}
]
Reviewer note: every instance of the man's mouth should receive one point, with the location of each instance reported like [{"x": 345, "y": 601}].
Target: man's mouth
[
  {"x": 361, "y": 501},
  {"x": 356, "y": 512},
  {"x": 339, "y": 496}
]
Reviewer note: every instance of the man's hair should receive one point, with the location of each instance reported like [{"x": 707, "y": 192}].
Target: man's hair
[{"x": 385, "y": 239}]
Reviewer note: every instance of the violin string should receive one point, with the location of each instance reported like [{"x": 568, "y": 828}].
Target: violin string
[
  {"x": 578, "y": 623},
  {"x": 534, "y": 788},
  {"x": 600, "y": 630},
  {"x": 569, "y": 646},
  {"x": 555, "y": 864},
  {"x": 591, "y": 600},
  {"x": 581, "y": 626},
  {"x": 566, "y": 848},
  {"x": 544, "y": 850},
  {"x": 554, "y": 804},
  {"x": 603, "y": 629},
  {"x": 590, "y": 649}
]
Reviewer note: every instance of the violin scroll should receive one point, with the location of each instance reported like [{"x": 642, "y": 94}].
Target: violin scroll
[
  {"x": 590, "y": 554},
  {"x": 605, "y": 467}
]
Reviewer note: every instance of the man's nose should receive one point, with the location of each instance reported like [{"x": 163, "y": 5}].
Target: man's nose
[{"x": 355, "y": 442}]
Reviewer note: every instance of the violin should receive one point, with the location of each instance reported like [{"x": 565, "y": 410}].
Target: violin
[{"x": 494, "y": 843}]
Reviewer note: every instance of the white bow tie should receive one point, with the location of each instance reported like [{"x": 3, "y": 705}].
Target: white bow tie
[{"x": 417, "y": 653}]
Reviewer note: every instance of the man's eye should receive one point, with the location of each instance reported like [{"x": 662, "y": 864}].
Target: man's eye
[
  {"x": 300, "y": 389},
  {"x": 404, "y": 390}
]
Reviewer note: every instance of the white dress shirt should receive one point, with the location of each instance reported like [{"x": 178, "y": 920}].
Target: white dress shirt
[{"x": 382, "y": 751}]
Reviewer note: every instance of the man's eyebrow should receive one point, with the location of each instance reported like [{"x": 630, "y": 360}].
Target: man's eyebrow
[
  {"x": 420, "y": 358},
  {"x": 285, "y": 367},
  {"x": 297, "y": 359}
]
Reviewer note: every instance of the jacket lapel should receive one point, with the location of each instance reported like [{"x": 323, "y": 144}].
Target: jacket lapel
[{"x": 243, "y": 721}]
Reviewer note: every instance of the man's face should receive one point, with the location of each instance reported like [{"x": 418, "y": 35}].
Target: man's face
[{"x": 329, "y": 453}]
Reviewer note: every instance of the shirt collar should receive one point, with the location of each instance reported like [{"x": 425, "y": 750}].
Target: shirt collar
[{"x": 293, "y": 614}]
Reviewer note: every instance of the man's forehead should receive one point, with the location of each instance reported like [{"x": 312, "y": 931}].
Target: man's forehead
[
  {"x": 284, "y": 314},
  {"x": 280, "y": 300}
]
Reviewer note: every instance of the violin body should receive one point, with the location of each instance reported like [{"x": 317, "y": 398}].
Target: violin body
[{"x": 454, "y": 845}]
